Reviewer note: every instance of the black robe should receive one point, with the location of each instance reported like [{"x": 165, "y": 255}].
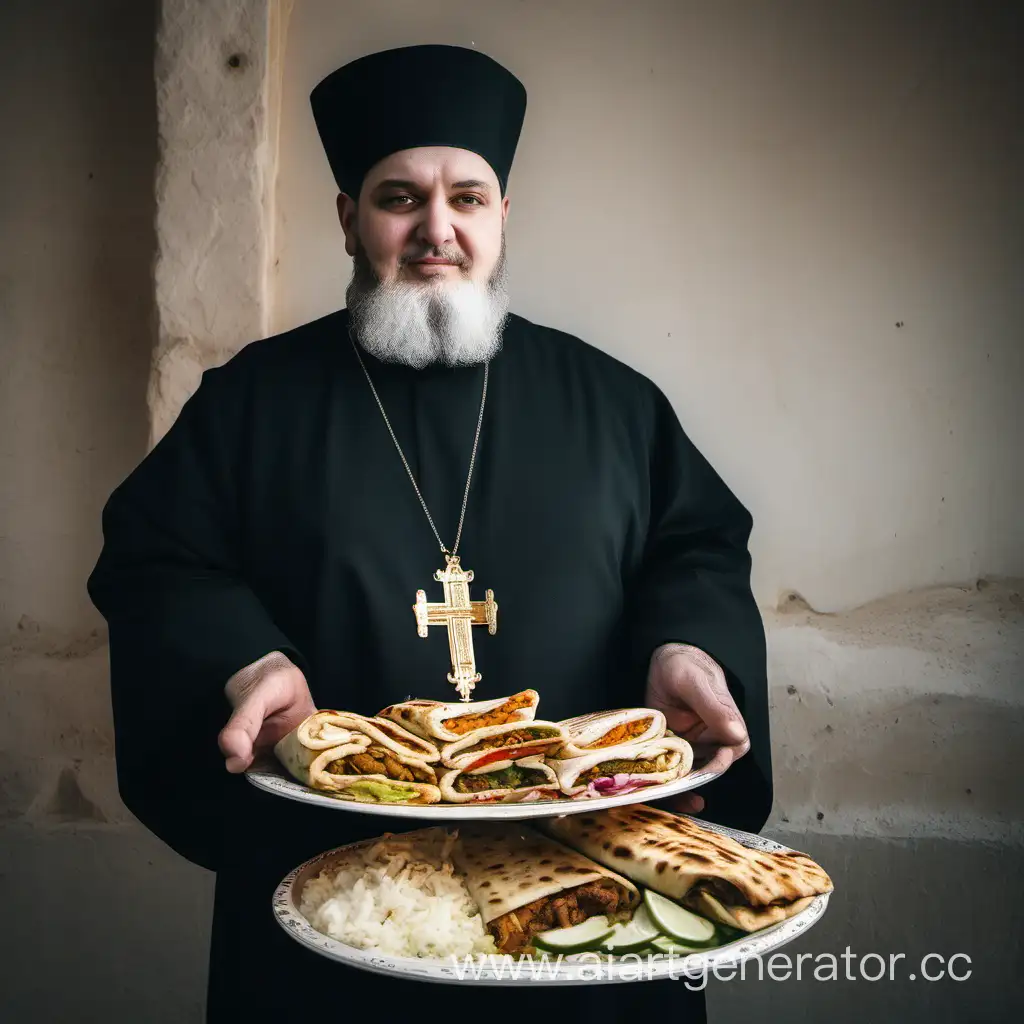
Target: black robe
[{"x": 276, "y": 515}]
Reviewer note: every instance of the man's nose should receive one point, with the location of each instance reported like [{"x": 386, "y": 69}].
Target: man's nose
[{"x": 435, "y": 227}]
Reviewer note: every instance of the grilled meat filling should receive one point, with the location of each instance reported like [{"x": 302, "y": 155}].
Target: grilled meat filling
[
  {"x": 508, "y": 738},
  {"x": 513, "y": 932},
  {"x": 376, "y": 760},
  {"x": 724, "y": 891}
]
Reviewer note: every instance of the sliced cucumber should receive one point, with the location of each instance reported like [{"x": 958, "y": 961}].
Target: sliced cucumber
[
  {"x": 663, "y": 944},
  {"x": 632, "y": 936},
  {"x": 580, "y": 938},
  {"x": 677, "y": 922}
]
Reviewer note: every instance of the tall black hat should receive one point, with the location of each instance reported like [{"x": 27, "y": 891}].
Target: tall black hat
[{"x": 418, "y": 96}]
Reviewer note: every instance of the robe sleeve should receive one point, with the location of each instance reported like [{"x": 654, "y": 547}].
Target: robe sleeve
[
  {"x": 694, "y": 588},
  {"x": 181, "y": 618}
]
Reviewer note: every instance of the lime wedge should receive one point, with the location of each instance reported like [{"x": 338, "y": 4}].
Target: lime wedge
[
  {"x": 579, "y": 938},
  {"x": 677, "y": 922}
]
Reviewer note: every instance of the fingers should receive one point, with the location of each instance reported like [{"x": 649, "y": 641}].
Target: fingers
[
  {"x": 682, "y": 721},
  {"x": 693, "y": 735},
  {"x": 238, "y": 738},
  {"x": 279, "y": 724},
  {"x": 266, "y": 708},
  {"x": 688, "y": 803},
  {"x": 718, "y": 712},
  {"x": 702, "y": 689},
  {"x": 725, "y": 756}
]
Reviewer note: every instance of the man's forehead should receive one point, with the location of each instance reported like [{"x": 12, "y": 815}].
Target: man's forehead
[{"x": 433, "y": 165}]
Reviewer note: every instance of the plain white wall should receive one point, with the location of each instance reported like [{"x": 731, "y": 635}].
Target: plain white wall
[{"x": 743, "y": 200}]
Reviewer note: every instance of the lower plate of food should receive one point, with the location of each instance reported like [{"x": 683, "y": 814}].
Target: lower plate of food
[
  {"x": 628, "y": 894},
  {"x": 483, "y": 760}
]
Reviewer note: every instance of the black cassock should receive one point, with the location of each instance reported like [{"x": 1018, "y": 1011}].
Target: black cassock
[{"x": 276, "y": 515}]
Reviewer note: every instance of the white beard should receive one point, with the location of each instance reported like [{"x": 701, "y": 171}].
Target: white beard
[{"x": 456, "y": 323}]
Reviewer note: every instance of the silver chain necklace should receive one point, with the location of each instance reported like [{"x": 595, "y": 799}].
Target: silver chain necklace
[{"x": 398, "y": 448}]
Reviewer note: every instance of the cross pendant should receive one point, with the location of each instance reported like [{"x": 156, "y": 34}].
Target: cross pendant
[{"x": 459, "y": 614}]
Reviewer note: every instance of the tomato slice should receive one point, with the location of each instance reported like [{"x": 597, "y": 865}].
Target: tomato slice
[{"x": 504, "y": 754}]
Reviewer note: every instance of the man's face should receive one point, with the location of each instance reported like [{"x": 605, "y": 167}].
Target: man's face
[
  {"x": 428, "y": 268},
  {"x": 427, "y": 215}
]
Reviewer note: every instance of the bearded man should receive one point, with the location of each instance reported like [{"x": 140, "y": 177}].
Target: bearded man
[{"x": 262, "y": 560}]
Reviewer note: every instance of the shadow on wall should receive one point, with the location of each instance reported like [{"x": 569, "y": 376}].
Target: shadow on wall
[
  {"x": 77, "y": 319},
  {"x": 76, "y": 311}
]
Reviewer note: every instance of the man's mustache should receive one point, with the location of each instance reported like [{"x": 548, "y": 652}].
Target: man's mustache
[{"x": 453, "y": 256}]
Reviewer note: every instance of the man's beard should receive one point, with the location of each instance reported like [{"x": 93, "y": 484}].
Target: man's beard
[{"x": 456, "y": 323}]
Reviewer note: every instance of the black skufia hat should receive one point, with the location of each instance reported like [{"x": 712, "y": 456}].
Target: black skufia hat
[{"x": 418, "y": 96}]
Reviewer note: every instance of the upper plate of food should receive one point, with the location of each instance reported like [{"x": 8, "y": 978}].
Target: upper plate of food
[
  {"x": 489, "y": 759},
  {"x": 503, "y": 903}
]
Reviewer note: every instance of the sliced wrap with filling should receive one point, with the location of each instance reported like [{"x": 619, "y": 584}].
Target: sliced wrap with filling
[
  {"x": 588, "y": 733},
  {"x": 613, "y": 771},
  {"x": 434, "y": 720},
  {"x": 357, "y": 758},
  {"x": 713, "y": 875},
  {"x": 528, "y": 778},
  {"x": 497, "y": 746},
  {"x": 525, "y": 883}
]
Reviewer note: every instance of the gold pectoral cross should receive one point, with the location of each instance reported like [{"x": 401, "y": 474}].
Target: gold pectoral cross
[{"x": 459, "y": 614}]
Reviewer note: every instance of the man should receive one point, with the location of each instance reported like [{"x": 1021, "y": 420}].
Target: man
[{"x": 268, "y": 550}]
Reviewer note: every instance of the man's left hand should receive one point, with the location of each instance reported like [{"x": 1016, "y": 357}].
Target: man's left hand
[{"x": 690, "y": 688}]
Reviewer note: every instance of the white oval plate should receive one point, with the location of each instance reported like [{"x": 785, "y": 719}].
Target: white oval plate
[
  {"x": 578, "y": 969},
  {"x": 272, "y": 778}
]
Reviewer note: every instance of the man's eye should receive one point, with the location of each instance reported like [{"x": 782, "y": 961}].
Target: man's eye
[
  {"x": 470, "y": 200},
  {"x": 397, "y": 200}
]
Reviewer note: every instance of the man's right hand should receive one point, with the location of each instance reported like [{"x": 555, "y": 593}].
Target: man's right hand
[{"x": 270, "y": 697}]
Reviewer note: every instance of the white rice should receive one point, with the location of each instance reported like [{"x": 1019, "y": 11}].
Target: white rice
[{"x": 400, "y": 896}]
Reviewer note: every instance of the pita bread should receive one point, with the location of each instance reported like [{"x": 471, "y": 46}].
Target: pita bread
[
  {"x": 508, "y": 868},
  {"x": 675, "y": 753},
  {"x": 311, "y": 751},
  {"x": 712, "y": 874},
  {"x": 604, "y": 729},
  {"x": 498, "y": 793},
  {"x": 485, "y": 743},
  {"x": 319, "y": 731},
  {"x": 745, "y": 919},
  {"x": 434, "y": 720}
]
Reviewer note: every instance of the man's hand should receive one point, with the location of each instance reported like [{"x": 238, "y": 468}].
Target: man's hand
[
  {"x": 270, "y": 697},
  {"x": 690, "y": 688}
]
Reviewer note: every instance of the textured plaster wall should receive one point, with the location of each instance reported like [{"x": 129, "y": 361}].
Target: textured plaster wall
[
  {"x": 841, "y": 169},
  {"x": 76, "y": 223},
  {"x": 215, "y": 94}
]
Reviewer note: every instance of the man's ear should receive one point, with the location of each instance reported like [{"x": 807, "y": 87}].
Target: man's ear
[
  {"x": 504, "y": 210},
  {"x": 347, "y": 219}
]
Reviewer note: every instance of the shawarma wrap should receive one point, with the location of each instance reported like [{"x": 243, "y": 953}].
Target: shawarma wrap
[
  {"x": 357, "y": 758},
  {"x": 505, "y": 782},
  {"x": 712, "y": 874},
  {"x": 613, "y": 771},
  {"x": 526, "y": 883},
  {"x": 588, "y": 733},
  {"x": 447, "y": 723},
  {"x": 497, "y": 746}
]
